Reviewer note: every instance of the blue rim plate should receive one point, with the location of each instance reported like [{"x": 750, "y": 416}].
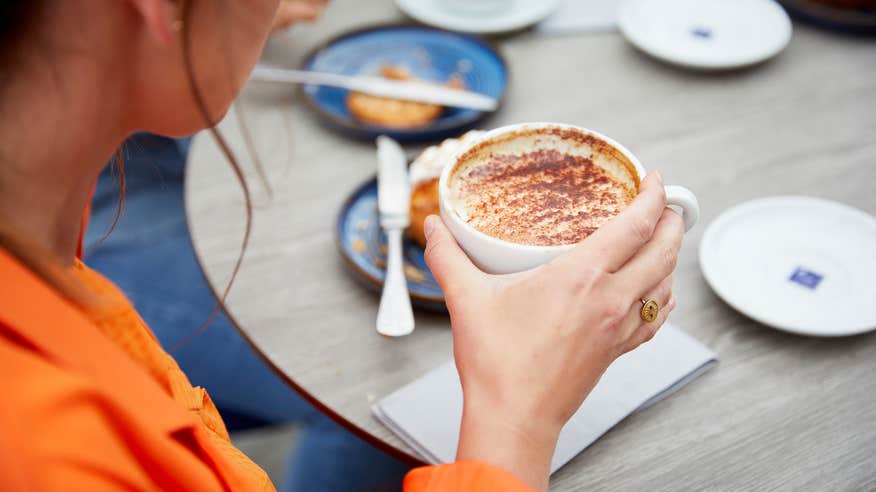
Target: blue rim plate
[
  {"x": 430, "y": 54},
  {"x": 362, "y": 244}
]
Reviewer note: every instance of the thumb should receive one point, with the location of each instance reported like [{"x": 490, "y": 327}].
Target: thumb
[{"x": 448, "y": 263}]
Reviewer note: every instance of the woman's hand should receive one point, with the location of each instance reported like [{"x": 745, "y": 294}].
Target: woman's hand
[
  {"x": 292, "y": 11},
  {"x": 530, "y": 346}
]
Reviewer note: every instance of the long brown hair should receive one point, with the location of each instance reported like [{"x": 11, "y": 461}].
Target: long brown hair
[{"x": 198, "y": 97}]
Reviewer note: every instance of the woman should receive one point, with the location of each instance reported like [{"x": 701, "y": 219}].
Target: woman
[
  {"x": 149, "y": 256},
  {"x": 93, "y": 403}
]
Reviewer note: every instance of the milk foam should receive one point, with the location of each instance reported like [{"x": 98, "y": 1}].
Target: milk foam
[{"x": 541, "y": 189}]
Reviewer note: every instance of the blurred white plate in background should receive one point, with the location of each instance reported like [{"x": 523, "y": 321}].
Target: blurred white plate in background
[
  {"x": 799, "y": 264},
  {"x": 706, "y": 34},
  {"x": 478, "y": 16}
]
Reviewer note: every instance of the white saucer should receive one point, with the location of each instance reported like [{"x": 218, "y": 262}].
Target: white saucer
[
  {"x": 799, "y": 264},
  {"x": 706, "y": 34},
  {"x": 517, "y": 15}
]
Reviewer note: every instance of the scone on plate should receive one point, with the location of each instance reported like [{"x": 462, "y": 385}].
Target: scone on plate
[
  {"x": 395, "y": 113},
  {"x": 424, "y": 174}
]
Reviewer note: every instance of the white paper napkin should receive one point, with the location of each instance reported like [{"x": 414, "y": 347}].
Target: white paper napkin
[{"x": 426, "y": 414}]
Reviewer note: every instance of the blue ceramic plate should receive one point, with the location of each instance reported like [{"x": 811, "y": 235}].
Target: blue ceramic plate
[
  {"x": 430, "y": 54},
  {"x": 363, "y": 246}
]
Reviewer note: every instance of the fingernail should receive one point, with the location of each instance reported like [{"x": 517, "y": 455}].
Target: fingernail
[
  {"x": 671, "y": 304},
  {"x": 429, "y": 226},
  {"x": 658, "y": 176}
]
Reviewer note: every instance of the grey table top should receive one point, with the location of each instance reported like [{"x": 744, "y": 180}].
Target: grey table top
[{"x": 779, "y": 412}]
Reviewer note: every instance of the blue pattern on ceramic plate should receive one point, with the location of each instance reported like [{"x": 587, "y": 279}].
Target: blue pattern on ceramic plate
[
  {"x": 363, "y": 244},
  {"x": 430, "y": 54},
  {"x": 701, "y": 32},
  {"x": 806, "y": 278}
]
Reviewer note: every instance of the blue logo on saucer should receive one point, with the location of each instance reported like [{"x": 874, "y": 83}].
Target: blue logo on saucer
[
  {"x": 806, "y": 278},
  {"x": 701, "y": 33}
]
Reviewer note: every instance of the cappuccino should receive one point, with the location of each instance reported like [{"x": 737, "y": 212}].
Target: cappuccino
[{"x": 542, "y": 188}]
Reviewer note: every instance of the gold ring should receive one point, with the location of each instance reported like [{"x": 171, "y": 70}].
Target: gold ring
[{"x": 649, "y": 311}]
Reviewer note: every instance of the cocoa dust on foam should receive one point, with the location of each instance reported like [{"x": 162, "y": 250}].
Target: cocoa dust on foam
[{"x": 540, "y": 198}]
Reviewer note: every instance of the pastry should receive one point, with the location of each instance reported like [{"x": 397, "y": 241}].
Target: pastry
[
  {"x": 394, "y": 113},
  {"x": 424, "y": 174}
]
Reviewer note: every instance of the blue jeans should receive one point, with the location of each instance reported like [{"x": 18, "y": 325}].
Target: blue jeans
[{"x": 149, "y": 256}]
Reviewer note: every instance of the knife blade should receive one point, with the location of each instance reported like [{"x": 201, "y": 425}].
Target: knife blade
[
  {"x": 393, "y": 188},
  {"x": 396, "y": 89}
]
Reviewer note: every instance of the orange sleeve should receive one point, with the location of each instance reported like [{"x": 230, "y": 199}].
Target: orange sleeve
[
  {"x": 60, "y": 433},
  {"x": 463, "y": 476},
  {"x": 54, "y": 435}
]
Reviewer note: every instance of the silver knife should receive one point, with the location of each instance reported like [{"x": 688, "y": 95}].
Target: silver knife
[
  {"x": 394, "y": 316},
  {"x": 379, "y": 86}
]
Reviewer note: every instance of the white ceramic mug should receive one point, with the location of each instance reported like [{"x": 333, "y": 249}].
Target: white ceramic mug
[{"x": 495, "y": 255}]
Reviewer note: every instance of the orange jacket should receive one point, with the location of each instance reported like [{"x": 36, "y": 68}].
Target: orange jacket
[{"x": 91, "y": 402}]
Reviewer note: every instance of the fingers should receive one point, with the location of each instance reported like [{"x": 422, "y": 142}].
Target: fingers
[
  {"x": 448, "y": 263},
  {"x": 657, "y": 259},
  {"x": 646, "y": 331},
  {"x": 661, "y": 293},
  {"x": 612, "y": 245}
]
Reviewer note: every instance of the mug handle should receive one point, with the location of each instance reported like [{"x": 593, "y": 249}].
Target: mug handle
[{"x": 683, "y": 201}]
